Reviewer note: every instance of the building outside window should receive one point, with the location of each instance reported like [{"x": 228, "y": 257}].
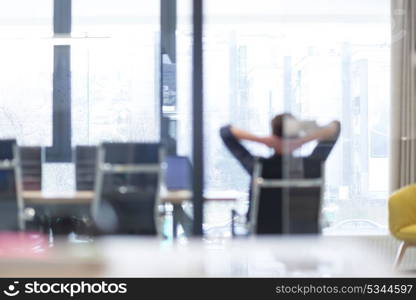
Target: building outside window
[{"x": 317, "y": 60}]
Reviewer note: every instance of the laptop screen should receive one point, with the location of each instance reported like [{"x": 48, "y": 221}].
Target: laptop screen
[{"x": 178, "y": 173}]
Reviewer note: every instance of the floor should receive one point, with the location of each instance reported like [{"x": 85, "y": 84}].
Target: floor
[{"x": 218, "y": 227}]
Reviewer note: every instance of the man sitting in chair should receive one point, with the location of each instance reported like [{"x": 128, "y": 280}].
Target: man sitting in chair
[{"x": 288, "y": 134}]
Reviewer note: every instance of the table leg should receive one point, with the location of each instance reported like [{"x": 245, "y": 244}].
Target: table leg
[{"x": 175, "y": 220}]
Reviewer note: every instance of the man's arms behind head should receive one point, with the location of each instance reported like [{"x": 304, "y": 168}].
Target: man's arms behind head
[{"x": 286, "y": 146}]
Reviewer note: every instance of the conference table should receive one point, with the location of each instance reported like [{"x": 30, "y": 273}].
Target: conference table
[
  {"x": 274, "y": 256},
  {"x": 177, "y": 197},
  {"x": 58, "y": 201},
  {"x": 42, "y": 198}
]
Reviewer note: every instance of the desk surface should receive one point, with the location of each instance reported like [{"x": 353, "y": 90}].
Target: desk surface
[
  {"x": 260, "y": 257},
  {"x": 38, "y": 197},
  {"x": 86, "y": 197}
]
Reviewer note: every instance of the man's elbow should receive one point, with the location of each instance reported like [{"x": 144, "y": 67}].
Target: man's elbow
[
  {"x": 337, "y": 125},
  {"x": 225, "y": 132},
  {"x": 336, "y": 129}
]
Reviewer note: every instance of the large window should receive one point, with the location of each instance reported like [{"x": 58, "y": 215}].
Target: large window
[
  {"x": 97, "y": 81},
  {"x": 26, "y": 60},
  {"x": 184, "y": 76},
  {"x": 115, "y": 68},
  {"x": 114, "y": 71},
  {"x": 319, "y": 60}
]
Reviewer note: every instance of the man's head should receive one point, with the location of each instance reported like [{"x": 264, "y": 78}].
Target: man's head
[{"x": 278, "y": 124}]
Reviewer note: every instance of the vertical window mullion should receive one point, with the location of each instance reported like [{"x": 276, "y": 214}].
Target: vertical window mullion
[
  {"x": 198, "y": 121},
  {"x": 168, "y": 73},
  {"x": 61, "y": 121}
]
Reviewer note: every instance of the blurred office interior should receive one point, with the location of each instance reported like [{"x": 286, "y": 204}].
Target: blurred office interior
[{"x": 111, "y": 153}]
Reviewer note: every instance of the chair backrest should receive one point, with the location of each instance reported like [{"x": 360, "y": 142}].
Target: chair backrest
[
  {"x": 6, "y": 149},
  {"x": 178, "y": 173},
  {"x": 128, "y": 180},
  {"x": 85, "y": 167},
  {"x": 286, "y": 197},
  {"x": 402, "y": 210},
  {"x": 11, "y": 203},
  {"x": 131, "y": 153},
  {"x": 31, "y": 163}
]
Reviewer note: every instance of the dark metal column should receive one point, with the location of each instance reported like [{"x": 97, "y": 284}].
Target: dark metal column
[
  {"x": 198, "y": 120},
  {"x": 167, "y": 77},
  {"x": 61, "y": 145},
  {"x": 61, "y": 115},
  {"x": 168, "y": 28},
  {"x": 62, "y": 16}
]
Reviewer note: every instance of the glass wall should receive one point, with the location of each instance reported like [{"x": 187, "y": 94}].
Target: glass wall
[
  {"x": 115, "y": 65},
  {"x": 26, "y": 60},
  {"x": 184, "y": 44},
  {"x": 320, "y": 61},
  {"x": 113, "y": 82}
]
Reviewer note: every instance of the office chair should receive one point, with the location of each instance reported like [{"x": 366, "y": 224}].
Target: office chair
[
  {"x": 402, "y": 219},
  {"x": 288, "y": 205},
  {"x": 77, "y": 218},
  {"x": 31, "y": 162},
  {"x": 127, "y": 187},
  {"x": 11, "y": 201},
  {"x": 85, "y": 167}
]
